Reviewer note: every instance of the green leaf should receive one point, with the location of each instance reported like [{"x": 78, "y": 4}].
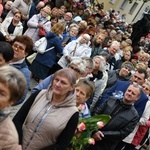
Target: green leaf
[
  {"x": 96, "y": 118},
  {"x": 80, "y": 138}
]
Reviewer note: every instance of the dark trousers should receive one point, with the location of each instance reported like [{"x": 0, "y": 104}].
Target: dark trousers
[{"x": 125, "y": 146}]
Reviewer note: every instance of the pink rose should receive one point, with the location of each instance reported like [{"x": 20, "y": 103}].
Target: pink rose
[
  {"x": 100, "y": 124},
  {"x": 81, "y": 107},
  {"x": 81, "y": 127},
  {"x": 91, "y": 141}
]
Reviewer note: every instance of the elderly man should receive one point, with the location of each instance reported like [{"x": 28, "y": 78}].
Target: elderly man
[
  {"x": 124, "y": 118},
  {"x": 139, "y": 77},
  {"x": 112, "y": 50}
]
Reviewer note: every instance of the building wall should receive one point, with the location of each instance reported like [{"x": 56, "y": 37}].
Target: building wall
[
  {"x": 133, "y": 11},
  {"x": 144, "y": 9}
]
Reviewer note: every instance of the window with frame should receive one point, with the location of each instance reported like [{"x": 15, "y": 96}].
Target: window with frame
[
  {"x": 124, "y": 4},
  {"x": 112, "y": 1},
  {"x": 134, "y": 6}
]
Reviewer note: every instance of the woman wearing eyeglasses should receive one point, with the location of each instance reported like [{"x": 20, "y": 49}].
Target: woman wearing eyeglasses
[
  {"x": 12, "y": 27},
  {"x": 38, "y": 21},
  {"x": 22, "y": 46}
]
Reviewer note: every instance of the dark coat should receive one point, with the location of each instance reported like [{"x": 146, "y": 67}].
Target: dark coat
[
  {"x": 122, "y": 123},
  {"x": 140, "y": 28},
  {"x": 122, "y": 86},
  {"x": 49, "y": 58}
]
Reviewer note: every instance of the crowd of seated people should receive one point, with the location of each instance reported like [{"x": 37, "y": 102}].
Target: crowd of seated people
[{"x": 92, "y": 61}]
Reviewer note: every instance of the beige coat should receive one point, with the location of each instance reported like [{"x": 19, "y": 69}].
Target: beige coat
[
  {"x": 45, "y": 122},
  {"x": 8, "y": 135}
]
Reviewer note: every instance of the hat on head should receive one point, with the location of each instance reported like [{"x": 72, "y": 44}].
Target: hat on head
[{"x": 128, "y": 64}]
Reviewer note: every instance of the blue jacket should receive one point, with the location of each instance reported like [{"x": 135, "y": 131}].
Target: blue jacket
[
  {"x": 44, "y": 84},
  {"x": 122, "y": 86},
  {"x": 24, "y": 69},
  {"x": 49, "y": 58}
]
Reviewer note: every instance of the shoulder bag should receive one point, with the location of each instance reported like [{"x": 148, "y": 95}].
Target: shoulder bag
[{"x": 41, "y": 45}]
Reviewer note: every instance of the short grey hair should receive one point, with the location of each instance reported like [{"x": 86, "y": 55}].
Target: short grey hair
[
  {"x": 102, "y": 66},
  {"x": 116, "y": 43},
  {"x": 80, "y": 63},
  {"x": 14, "y": 80}
]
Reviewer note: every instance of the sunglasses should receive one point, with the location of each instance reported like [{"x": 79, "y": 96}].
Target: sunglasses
[{"x": 18, "y": 47}]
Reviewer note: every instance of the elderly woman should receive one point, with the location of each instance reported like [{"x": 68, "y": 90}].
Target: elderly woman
[
  {"x": 38, "y": 21},
  {"x": 12, "y": 27},
  {"x": 79, "y": 67},
  {"x": 74, "y": 49},
  {"x": 43, "y": 63},
  {"x": 22, "y": 46},
  {"x": 12, "y": 87},
  {"x": 99, "y": 78},
  {"x": 48, "y": 119},
  {"x": 84, "y": 89},
  {"x": 20, "y": 5}
]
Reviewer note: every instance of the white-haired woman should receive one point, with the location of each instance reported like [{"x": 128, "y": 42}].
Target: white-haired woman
[
  {"x": 75, "y": 49},
  {"x": 38, "y": 21},
  {"x": 99, "y": 78}
]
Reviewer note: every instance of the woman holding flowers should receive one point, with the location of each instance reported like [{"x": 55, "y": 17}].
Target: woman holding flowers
[{"x": 48, "y": 119}]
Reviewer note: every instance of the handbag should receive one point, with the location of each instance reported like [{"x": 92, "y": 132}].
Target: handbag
[
  {"x": 41, "y": 44},
  {"x": 41, "y": 32},
  {"x": 31, "y": 58}
]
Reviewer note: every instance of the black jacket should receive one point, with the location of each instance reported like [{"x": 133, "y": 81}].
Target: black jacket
[{"x": 123, "y": 121}]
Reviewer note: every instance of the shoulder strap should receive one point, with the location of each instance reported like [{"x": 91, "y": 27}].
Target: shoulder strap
[
  {"x": 46, "y": 21},
  {"x": 49, "y": 49}
]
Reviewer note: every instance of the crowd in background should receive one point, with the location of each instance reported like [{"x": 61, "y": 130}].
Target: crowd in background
[{"x": 95, "y": 55}]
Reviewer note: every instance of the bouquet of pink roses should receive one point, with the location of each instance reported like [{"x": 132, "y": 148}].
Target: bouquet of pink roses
[{"x": 85, "y": 128}]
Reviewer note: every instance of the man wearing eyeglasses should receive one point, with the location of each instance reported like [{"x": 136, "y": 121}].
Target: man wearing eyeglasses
[
  {"x": 139, "y": 77},
  {"x": 22, "y": 46}
]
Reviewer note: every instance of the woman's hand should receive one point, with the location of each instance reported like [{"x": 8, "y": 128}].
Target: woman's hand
[
  {"x": 98, "y": 136},
  {"x": 40, "y": 25},
  {"x": 68, "y": 58},
  {"x": 63, "y": 44},
  {"x": 8, "y": 39}
]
